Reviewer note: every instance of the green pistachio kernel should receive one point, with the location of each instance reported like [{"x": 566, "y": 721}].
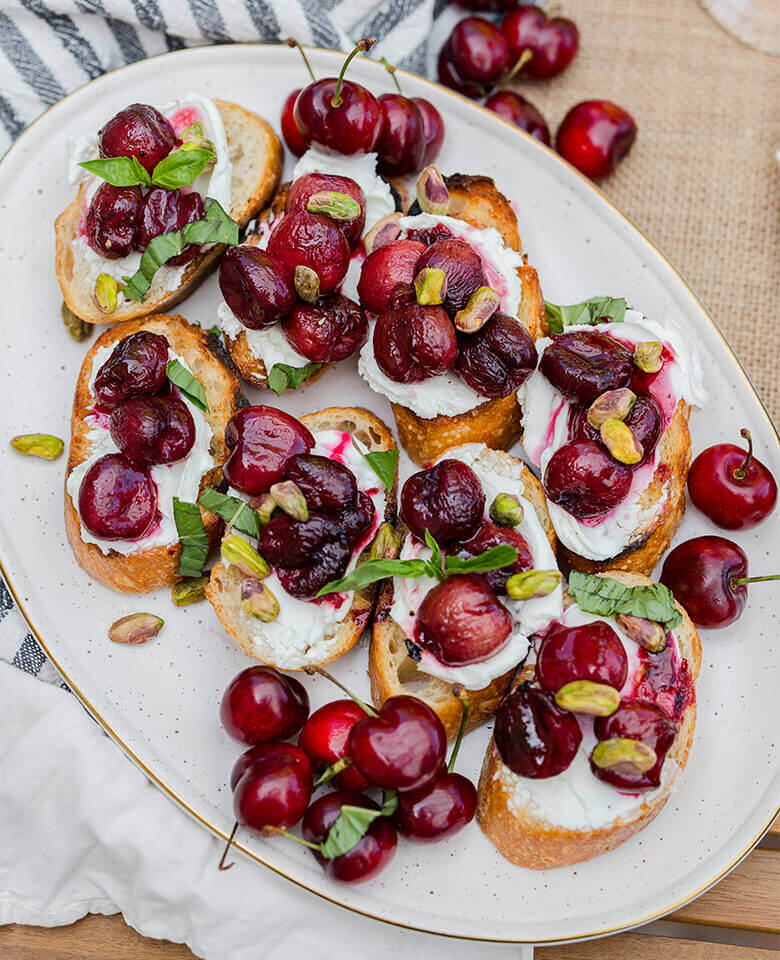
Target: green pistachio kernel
[
  {"x": 481, "y": 306},
  {"x": 612, "y": 405},
  {"x": 105, "y": 293},
  {"x": 258, "y": 601},
  {"x": 506, "y": 510},
  {"x": 620, "y": 441},
  {"x": 135, "y": 628},
  {"x": 38, "y": 445},
  {"x": 191, "y": 590},
  {"x": 585, "y": 696},
  {"x": 337, "y": 206},
  {"x": 648, "y": 356},
  {"x": 432, "y": 193},
  {"x": 289, "y": 497},
  {"x": 532, "y": 583},
  {"x": 237, "y": 552},
  {"x": 430, "y": 286},
  {"x": 624, "y": 755}
]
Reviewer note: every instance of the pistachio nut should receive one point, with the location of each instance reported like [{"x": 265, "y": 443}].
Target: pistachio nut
[
  {"x": 289, "y": 497},
  {"x": 307, "y": 283},
  {"x": 201, "y": 143},
  {"x": 78, "y": 329},
  {"x": 612, "y": 405},
  {"x": 430, "y": 286},
  {"x": 647, "y": 356},
  {"x": 191, "y": 590},
  {"x": 386, "y": 543},
  {"x": 105, "y": 293},
  {"x": 238, "y": 552},
  {"x": 647, "y": 633},
  {"x": 264, "y": 506},
  {"x": 432, "y": 193},
  {"x": 193, "y": 132},
  {"x": 258, "y": 601},
  {"x": 383, "y": 232},
  {"x": 331, "y": 203},
  {"x": 623, "y": 755},
  {"x": 135, "y": 628},
  {"x": 620, "y": 441},
  {"x": 481, "y": 306},
  {"x": 506, "y": 510},
  {"x": 38, "y": 445},
  {"x": 585, "y": 696},
  {"x": 532, "y": 583}
]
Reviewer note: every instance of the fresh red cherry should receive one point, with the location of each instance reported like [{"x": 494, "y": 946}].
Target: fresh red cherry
[
  {"x": 433, "y": 128},
  {"x": 313, "y": 242},
  {"x": 275, "y": 789},
  {"x": 292, "y": 135},
  {"x": 636, "y": 720},
  {"x": 111, "y": 225},
  {"x": 594, "y": 136},
  {"x": 533, "y": 735},
  {"x": 462, "y": 268},
  {"x": 437, "y": 810},
  {"x": 583, "y": 479},
  {"x": 734, "y": 489},
  {"x": 551, "y": 41},
  {"x": 327, "y": 485},
  {"x": 402, "y": 145},
  {"x": 491, "y": 535},
  {"x": 521, "y": 112},
  {"x": 324, "y": 739},
  {"x": 400, "y": 749},
  {"x": 261, "y": 440},
  {"x": 584, "y": 364},
  {"x": 592, "y": 652},
  {"x": 304, "y": 188},
  {"x": 413, "y": 343},
  {"x": 256, "y": 286},
  {"x": 370, "y": 855},
  {"x": 136, "y": 367},
  {"x": 165, "y": 211},
  {"x": 486, "y": 6},
  {"x": 447, "y": 500},
  {"x": 117, "y": 499},
  {"x": 708, "y": 576},
  {"x": 138, "y": 131},
  {"x": 461, "y": 621},
  {"x": 151, "y": 430},
  {"x": 261, "y": 704},
  {"x": 386, "y": 267},
  {"x": 449, "y": 74},
  {"x": 329, "y": 330},
  {"x": 498, "y": 358},
  {"x": 261, "y": 753},
  {"x": 479, "y": 50}
]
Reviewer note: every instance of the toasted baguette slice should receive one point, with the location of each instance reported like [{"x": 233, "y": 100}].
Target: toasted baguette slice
[
  {"x": 224, "y": 587},
  {"x": 528, "y": 841},
  {"x": 256, "y": 155},
  {"x": 392, "y": 671},
  {"x": 478, "y": 201},
  {"x": 203, "y": 353}
]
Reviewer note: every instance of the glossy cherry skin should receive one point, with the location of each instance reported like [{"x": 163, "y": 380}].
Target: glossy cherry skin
[
  {"x": 111, "y": 225},
  {"x": 585, "y": 364},
  {"x": 552, "y": 41},
  {"x": 309, "y": 240},
  {"x": 594, "y": 136},
  {"x": 402, "y": 145},
  {"x": 498, "y": 358},
  {"x": 461, "y": 621},
  {"x": 592, "y": 652},
  {"x": 462, "y": 267},
  {"x": 117, "y": 499},
  {"x": 330, "y": 563},
  {"x": 449, "y": 74},
  {"x": 275, "y": 789},
  {"x": 636, "y": 720},
  {"x": 583, "y": 479},
  {"x": 261, "y": 440},
  {"x": 438, "y": 810},
  {"x": 292, "y": 135},
  {"x": 151, "y": 430},
  {"x": 136, "y": 367},
  {"x": 401, "y": 749},
  {"x": 165, "y": 211},
  {"x": 384, "y": 269},
  {"x": 138, "y": 131},
  {"x": 355, "y": 126},
  {"x": 256, "y": 286},
  {"x": 372, "y": 853},
  {"x": 327, "y": 485},
  {"x": 479, "y": 50},
  {"x": 433, "y": 129},
  {"x": 327, "y": 331},
  {"x": 261, "y": 704},
  {"x": 447, "y": 500},
  {"x": 732, "y": 496},
  {"x": 534, "y": 736},
  {"x": 262, "y": 752},
  {"x": 288, "y": 544},
  {"x": 491, "y": 535},
  {"x": 701, "y": 574},
  {"x": 414, "y": 343},
  {"x": 324, "y": 739},
  {"x": 521, "y": 112},
  {"x": 305, "y": 187}
]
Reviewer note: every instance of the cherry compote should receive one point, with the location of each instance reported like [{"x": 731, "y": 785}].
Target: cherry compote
[
  {"x": 165, "y": 211},
  {"x": 498, "y": 358},
  {"x": 383, "y": 269},
  {"x": 462, "y": 267},
  {"x": 584, "y": 364},
  {"x": 329, "y": 330},
  {"x": 261, "y": 440},
  {"x": 151, "y": 430},
  {"x": 304, "y": 188},
  {"x": 447, "y": 500},
  {"x": 136, "y": 367},
  {"x": 139, "y": 131},
  {"x": 491, "y": 535},
  {"x": 111, "y": 226},
  {"x": 592, "y": 651},
  {"x": 117, "y": 499},
  {"x": 261, "y": 704},
  {"x": 534, "y": 736},
  {"x": 583, "y": 479},
  {"x": 636, "y": 720}
]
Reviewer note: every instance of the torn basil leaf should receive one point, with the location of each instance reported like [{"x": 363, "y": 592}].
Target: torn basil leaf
[
  {"x": 181, "y": 168},
  {"x": 606, "y": 597},
  {"x": 588, "y": 312},
  {"x": 373, "y": 570},
  {"x": 383, "y": 463},
  {"x": 494, "y": 559},
  {"x": 284, "y": 377},
  {"x": 233, "y": 510},
  {"x": 192, "y": 536},
  {"x": 119, "y": 171},
  {"x": 181, "y": 377}
]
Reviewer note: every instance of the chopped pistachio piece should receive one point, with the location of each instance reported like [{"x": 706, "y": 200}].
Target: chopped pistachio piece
[
  {"x": 585, "y": 696},
  {"x": 481, "y": 306},
  {"x": 383, "y": 232},
  {"x": 135, "y": 628},
  {"x": 258, "y": 601},
  {"x": 191, "y": 590},
  {"x": 620, "y": 441},
  {"x": 612, "y": 405},
  {"x": 386, "y": 543},
  {"x": 532, "y": 583},
  {"x": 265, "y": 507},
  {"x": 432, "y": 193},
  {"x": 647, "y": 633},
  {"x": 307, "y": 283},
  {"x": 506, "y": 510},
  {"x": 331, "y": 203},
  {"x": 624, "y": 755},
  {"x": 38, "y": 445},
  {"x": 289, "y": 497},
  {"x": 105, "y": 293},
  {"x": 78, "y": 329},
  {"x": 430, "y": 286},
  {"x": 238, "y": 552},
  {"x": 648, "y": 356}
]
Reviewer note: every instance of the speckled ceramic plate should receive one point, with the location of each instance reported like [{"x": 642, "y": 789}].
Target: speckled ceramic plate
[{"x": 160, "y": 701}]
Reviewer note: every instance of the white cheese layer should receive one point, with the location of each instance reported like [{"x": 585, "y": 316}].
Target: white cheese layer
[{"x": 181, "y": 479}]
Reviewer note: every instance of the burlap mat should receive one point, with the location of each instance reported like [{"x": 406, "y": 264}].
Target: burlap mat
[{"x": 701, "y": 180}]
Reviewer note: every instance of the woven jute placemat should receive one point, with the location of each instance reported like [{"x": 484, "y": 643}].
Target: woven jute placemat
[{"x": 702, "y": 180}]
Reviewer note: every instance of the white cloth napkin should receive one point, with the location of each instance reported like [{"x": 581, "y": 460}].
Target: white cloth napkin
[{"x": 83, "y": 831}]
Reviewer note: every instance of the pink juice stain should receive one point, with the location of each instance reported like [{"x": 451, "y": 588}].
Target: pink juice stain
[{"x": 184, "y": 117}]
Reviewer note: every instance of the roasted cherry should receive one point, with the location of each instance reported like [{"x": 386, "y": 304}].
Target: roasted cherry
[
  {"x": 437, "y": 810},
  {"x": 583, "y": 479},
  {"x": 414, "y": 343},
  {"x": 138, "y": 131},
  {"x": 462, "y": 267},
  {"x": 592, "y": 651},
  {"x": 479, "y": 51},
  {"x": 303, "y": 239},
  {"x": 551, "y": 41},
  {"x": 586, "y": 363},
  {"x": 491, "y": 535},
  {"x": 498, "y": 358},
  {"x": 261, "y": 440},
  {"x": 534, "y": 736},
  {"x": 289, "y": 544},
  {"x": 111, "y": 226},
  {"x": 402, "y": 145},
  {"x": 386, "y": 267},
  {"x": 636, "y": 720},
  {"x": 165, "y": 211},
  {"x": 326, "y": 484},
  {"x": 433, "y": 128},
  {"x": 357, "y": 520},
  {"x": 153, "y": 430},
  {"x": 292, "y": 135},
  {"x": 324, "y": 739},
  {"x": 305, "y": 187},
  {"x": 256, "y": 286},
  {"x": 521, "y": 112},
  {"x": 646, "y": 422},
  {"x": 330, "y": 563},
  {"x": 594, "y": 136},
  {"x": 261, "y": 704},
  {"x": 117, "y": 499},
  {"x": 136, "y": 367},
  {"x": 447, "y": 500},
  {"x": 275, "y": 789},
  {"x": 329, "y": 330}
]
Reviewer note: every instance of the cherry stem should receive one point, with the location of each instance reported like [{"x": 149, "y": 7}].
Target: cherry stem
[
  {"x": 464, "y": 716},
  {"x": 391, "y": 70},
  {"x": 329, "y": 676},
  {"x": 333, "y": 771},
  {"x": 741, "y": 472},
  {"x": 363, "y": 46},
  {"x": 741, "y": 581},
  {"x": 522, "y": 60},
  {"x": 222, "y": 864},
  {"x": 277, "y": 831},
  {"x": 292, "y": 42}
]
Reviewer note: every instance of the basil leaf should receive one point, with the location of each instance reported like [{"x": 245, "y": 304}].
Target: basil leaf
[
  {"x": 234, "y": 510},
  {"x": 350, "y": 827},
  {"x": 588, "y": 312},
  {"x": 181, "y": 167},
  {"x": 216, "y": 330},
  {"x": 383, "y": 463},
  {"x": 284, "y": 377},
  {"x": 606, "y": 597},
  {"x": 119, "y": 171},
  {"x": 493, "y": 559},
  {"x": 179, "y": 375},
  {"x": 192, "y": 536},
  {"x": 437, "y": 560},
  {"x": 215, "y": 227},
  {"x": 389, "y": 803},
  {"x": 372, "y": 570}
]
